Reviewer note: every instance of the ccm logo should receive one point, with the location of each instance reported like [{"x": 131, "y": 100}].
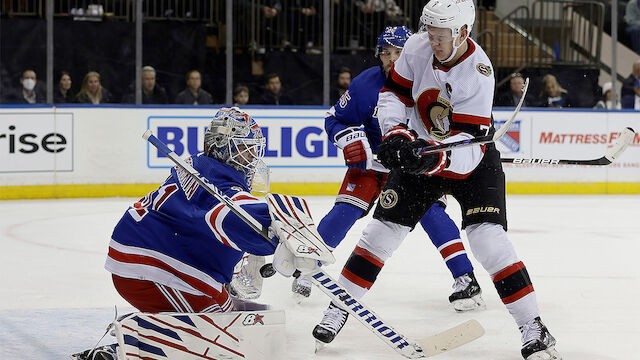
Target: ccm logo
[{"x": 483, "y": 209}]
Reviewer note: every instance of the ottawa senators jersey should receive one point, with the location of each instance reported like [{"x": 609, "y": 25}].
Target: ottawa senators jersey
[{"x": 441, "y": 103}]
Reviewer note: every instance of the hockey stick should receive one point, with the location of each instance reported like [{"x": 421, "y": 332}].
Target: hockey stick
[
  {"x": 626, "y": 137},
  {"x": 208, "y": 186},
  {"x": 480, "y": 139},
  {"x": 441, "y": 342}
]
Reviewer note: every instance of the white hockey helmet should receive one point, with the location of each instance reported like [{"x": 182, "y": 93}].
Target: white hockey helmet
[{"x": 450, "y": 14}]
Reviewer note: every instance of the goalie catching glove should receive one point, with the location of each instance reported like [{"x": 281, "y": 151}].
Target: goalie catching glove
[
  {"x": 399, "y": 151},
  {"x": 355, "y": 146},
  {"x": 301, "y": 247}
]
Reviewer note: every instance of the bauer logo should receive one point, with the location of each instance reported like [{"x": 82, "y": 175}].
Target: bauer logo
[
  {"x": 36, "y": 142},
  {"x": 291, "y": 142},
  {"x": 511, "y": 139},
  {"x": 253, "y": 319}
]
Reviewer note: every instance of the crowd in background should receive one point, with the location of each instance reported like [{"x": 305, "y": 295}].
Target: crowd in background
[
  {"x": 31, "y": 91},
  {"x": 91, "y": 91}
]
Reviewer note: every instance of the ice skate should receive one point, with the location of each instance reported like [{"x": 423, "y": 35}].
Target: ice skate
[
  {"x": 331, "y": 324},
  {"x": 467, "y": 294},
  {"x": 301, "y": 288},
  {"x": 99, "y": 353},
  {"x": 537, "y": 342}
]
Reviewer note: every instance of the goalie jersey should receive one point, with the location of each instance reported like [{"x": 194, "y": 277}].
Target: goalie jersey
[
  {"x": 443, "y": 104},
  {"x": 181, "y": 236}
]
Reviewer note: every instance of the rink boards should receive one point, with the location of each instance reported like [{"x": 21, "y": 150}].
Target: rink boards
[{"x": 95, "y": 151}]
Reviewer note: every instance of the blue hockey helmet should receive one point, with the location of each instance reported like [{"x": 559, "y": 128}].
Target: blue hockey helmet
[
  {"x": 233, "y": 137},
  {"x": 394, "y": 36}
]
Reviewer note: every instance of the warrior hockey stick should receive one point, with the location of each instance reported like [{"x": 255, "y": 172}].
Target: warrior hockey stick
[
  {"x": 626, "y": 137},
  {"x": 480, "y": 139},
  {"x": 441, "y": 342}
]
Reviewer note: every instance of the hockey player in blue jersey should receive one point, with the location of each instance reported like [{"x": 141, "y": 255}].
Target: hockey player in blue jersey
[
  {"x": 352, "y": 125},
  {"x": 175, "y": 249}
]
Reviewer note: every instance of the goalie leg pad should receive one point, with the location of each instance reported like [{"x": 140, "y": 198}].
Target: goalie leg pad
[{"x": 235, "y": 335}]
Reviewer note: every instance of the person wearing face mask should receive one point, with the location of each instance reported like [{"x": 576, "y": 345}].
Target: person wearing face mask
[{"x": 28, "y": 94}]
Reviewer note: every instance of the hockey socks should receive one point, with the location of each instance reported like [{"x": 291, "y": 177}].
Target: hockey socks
[
  {"x": 360, "y": 271},
  {"x": 445, "y": 236},
  {"x": 336, "y": 224},
  {"x": 516, "y": 291}
]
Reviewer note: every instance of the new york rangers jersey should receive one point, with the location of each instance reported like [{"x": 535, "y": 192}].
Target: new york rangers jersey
[
  {"x": 181, "y": 236},
  {"x": 357, "y": 107},
  {"x": 443, "y": 104}
]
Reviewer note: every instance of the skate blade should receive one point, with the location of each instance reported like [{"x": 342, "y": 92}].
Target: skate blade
[
  {"x": 298, "y": 298},
  {"x": 472, "y": 304},
  {"x": 548, "y": 354},
  {"x": 319, "y": 346}
]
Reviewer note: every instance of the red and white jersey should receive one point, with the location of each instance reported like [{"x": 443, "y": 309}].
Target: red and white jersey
[{"x": 444, "y": 104}]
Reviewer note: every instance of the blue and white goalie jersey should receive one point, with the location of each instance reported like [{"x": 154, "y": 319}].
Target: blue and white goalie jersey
[{"x": 181, "y": 236}]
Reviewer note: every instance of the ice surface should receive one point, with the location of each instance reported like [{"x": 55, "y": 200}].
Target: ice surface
[{"x": 581, "y": 253}]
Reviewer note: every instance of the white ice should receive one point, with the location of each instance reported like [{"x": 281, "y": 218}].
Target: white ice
[{"x": 581, "y": 253}]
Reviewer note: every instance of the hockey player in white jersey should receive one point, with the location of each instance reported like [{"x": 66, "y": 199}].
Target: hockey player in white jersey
[{"x": 443, "y": 82}]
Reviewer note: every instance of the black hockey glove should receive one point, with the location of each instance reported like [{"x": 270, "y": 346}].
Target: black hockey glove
[
  {"x": 416, "y": 164},
  {"x": 389, "y": 150}
]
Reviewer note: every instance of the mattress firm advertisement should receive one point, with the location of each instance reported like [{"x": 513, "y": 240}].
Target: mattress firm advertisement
[{"x": 104, "y": 145}]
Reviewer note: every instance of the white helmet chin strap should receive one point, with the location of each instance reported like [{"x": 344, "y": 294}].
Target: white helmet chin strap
[{"x": 454, "y": 51}]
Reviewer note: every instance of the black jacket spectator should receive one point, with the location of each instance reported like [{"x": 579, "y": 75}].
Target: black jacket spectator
[
  {"x": 84, "y": 99},
  {"x": 186, "y": 97},
  {"x": 59, "y": 98},
  {"x": 269, "y": 99},
  {"x": 157, "y": 96},
  {"x": 507, "y": 98}
]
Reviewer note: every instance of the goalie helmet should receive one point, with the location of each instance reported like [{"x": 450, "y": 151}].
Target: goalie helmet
[
  {"x": 395, "y": 36},
  {"x": 450, "y": 14},
  {"x": 234, "y": 138}
]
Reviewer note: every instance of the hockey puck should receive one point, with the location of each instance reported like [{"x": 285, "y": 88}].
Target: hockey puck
[{"x": 267, "y": 270}]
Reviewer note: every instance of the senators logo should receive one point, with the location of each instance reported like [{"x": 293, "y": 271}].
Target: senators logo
[
  {"x": 388, "y": 199},
  {"x": 435, "y": 113}
]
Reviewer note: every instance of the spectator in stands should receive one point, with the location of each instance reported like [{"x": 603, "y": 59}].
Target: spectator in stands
[
  {"x": 268, "y": 10},
  {"x": 92, "y": 91},
  {"x": 552, "y": 94},
  {"x": 193, "y": 94},
  {"x": 342, "y": 84},
  {"x": 240, "y": 95},
  {"x": 63, "y": 93},
  {"x": 28, "y": 93},
  {"x": 630, "y": 93},
  {"x": 274, "y": 94},
  {"x": 304, "y": 24},
  {"x": 152, "y": 92},
  {"x": 632, "y": 17},
  {"x": 512, "y": 96},
  {"x": 606, "y": 103}
]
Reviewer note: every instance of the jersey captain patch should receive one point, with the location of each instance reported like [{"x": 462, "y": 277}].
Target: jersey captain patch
[
  {"x": 435, "y": 113},
  {"x": 484, "y": 69}
]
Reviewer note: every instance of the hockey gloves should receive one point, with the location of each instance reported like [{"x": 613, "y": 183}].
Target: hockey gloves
[
  {"x": 392, "y": 141},
  {"x": 399, "y": 151},
  {"x": 355, "y": 145}
]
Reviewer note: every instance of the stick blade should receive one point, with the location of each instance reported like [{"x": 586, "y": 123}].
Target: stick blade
[
  {"x": 451, "y": 338},
  {"x": 147, "y": 134},
  {"x": 626, "y": 137}
]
